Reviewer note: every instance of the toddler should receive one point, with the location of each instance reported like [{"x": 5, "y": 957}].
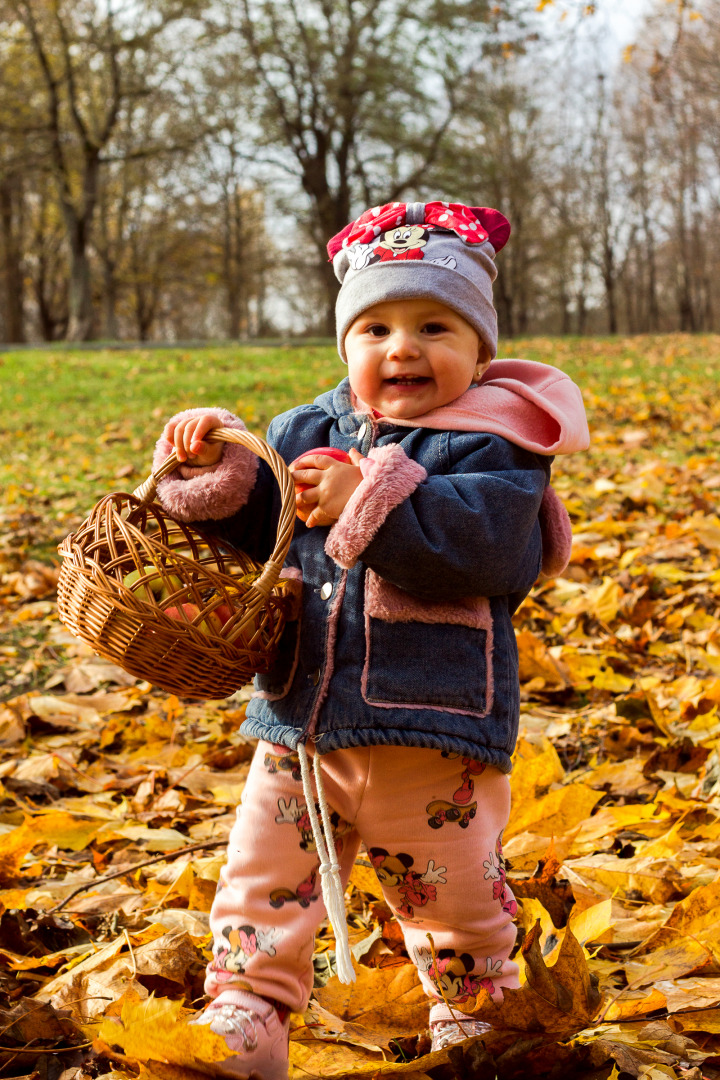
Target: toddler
[{"x": 399, "y": 680}]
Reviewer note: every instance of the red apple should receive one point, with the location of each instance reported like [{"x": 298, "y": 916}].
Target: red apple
[
  {"x": 185, "y": 612},
  {"x": 325, "y": 451},
  {"x": 223, "y": 612},
  {"x": 211, "y": 624}
]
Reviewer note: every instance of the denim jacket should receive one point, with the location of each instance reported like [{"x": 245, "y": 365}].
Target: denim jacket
[{"x": 405, "y": 634}]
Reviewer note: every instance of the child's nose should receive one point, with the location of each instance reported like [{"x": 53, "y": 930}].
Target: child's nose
[{"x": 403, "y": 345}]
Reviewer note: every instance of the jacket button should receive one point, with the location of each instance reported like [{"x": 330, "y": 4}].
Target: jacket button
[
  {"x": 361, "y": 433},
  {"x": 326, "y": 590}
]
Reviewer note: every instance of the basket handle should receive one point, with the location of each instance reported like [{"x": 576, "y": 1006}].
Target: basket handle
[{"x": 147, "y": 491}]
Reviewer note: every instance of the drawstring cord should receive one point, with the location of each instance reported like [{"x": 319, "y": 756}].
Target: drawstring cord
[{"x": 332, "y": 890}]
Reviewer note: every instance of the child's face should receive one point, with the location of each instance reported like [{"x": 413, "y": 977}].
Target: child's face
[{"x": 406, "y": 357}]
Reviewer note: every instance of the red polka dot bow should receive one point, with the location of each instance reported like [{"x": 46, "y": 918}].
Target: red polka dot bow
[{"x": 473, "y": 224}]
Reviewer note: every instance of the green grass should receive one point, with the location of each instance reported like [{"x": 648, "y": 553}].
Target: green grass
[
  {"x": 77, "y": 424},
  {"x": 70, "y": 414}
]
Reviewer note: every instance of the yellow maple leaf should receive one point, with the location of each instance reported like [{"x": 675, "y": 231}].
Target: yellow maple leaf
[
  {"x": 559, "y": 1000},
  {"x": 365, "y": 1002},
  {"x": 157, "y": 1029},
  {"x": 57, "y": 827},
  {"x": 555, "y": 813}
]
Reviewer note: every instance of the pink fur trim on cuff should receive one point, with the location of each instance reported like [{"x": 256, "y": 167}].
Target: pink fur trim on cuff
[
  {"x": 389, "y": 477},
  {"x": 556, "y": 533},
  {"x": 199, "y": 493}
]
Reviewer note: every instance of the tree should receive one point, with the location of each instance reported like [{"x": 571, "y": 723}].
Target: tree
[
  {"x": 235, "y": 202},
  {"x": 19, "y": 159},
  {"x": 353, "y": 98},
  {"x": 87, "y": 57}
]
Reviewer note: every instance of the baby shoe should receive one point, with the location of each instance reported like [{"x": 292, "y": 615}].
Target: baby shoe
[
  {"x": 450, "y": 1026},
  {"x": 253, "y": 1032}
]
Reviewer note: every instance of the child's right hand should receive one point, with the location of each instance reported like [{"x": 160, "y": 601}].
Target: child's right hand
[{"x": 188, "y": 439}]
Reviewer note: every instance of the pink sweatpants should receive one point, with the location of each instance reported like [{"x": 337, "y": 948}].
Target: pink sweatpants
[{"x": 432, "y": 823}]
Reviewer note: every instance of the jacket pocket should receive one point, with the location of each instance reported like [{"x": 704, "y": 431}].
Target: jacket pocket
[{"x": 433, "y": 654}]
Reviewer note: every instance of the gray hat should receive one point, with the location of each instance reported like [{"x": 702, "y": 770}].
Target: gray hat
[{"x": 439, "y": 251}]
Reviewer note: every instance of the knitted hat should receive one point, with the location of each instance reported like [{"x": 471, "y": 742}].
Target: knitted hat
[{"x": 438, "y": 250}]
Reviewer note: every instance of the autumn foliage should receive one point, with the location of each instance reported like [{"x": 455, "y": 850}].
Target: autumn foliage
[{"x": 115, "y": 801}]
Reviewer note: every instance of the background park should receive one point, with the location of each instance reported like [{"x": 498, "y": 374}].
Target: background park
[{"x": 168, "y": 174}]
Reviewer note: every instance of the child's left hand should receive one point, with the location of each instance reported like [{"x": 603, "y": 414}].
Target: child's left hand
[{"x": 331, "y": 485}]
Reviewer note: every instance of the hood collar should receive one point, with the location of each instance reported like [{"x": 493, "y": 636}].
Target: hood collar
[{"x": 533, "y": 405}]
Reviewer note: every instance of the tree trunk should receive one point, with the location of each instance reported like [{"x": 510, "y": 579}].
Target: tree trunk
[
  {"x": 685, "y": 304},
  {"x": 565, "y": 325},
  {"x": 332, "y": 215},
  {"x": 231, "y": 248},
  {"x": 331, "y": 289},
  {"x": 12, "y": 273},
  {"x": 653, "y": 305},
  {"x": 504, "y": 307},
  {"x": 611, "y": 305},
  {"x": 78, "y": 226},
  {"x": 79, "y": 299},
  {"x": 110, "y": 301}
]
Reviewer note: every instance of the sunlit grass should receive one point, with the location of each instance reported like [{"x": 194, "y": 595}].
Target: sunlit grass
[{"x": 78, "y": 423}]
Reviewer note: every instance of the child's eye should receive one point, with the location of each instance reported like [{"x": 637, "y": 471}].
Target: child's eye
[
  {"x": 433, "y": 328},
  {"x": 377, "y": 330}
]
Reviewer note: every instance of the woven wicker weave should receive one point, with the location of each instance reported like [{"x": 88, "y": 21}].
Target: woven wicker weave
[{"x": 189, "y": 653}]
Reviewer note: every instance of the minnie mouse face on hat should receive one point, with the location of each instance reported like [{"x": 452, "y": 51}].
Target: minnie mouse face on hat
[{"x": 405, "y": 242}]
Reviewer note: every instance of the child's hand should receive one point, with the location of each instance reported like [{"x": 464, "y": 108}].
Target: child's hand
[
  {"x": 331, "y": 485},
  {"x": 188, "y": 436}
]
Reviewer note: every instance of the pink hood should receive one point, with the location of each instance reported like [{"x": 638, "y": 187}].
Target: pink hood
[{"x": 533, "y": 405}]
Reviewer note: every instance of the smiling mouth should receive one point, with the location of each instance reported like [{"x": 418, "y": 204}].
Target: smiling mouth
[{"x": 408, "y": 380}]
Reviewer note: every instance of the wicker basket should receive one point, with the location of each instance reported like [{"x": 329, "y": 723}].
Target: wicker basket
[{"x": 129, "y": 565}]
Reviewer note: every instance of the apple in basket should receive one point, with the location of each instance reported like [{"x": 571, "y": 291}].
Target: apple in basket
[
  {"x": 211, "y": 624},
  {"x": 324, "y": 451},
  {"x": 174, "y": 584},
  {"x": 225, "y": 611},
  {"x": 152, "y": 585}
]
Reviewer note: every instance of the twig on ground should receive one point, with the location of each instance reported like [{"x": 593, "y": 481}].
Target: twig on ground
[
  {"x": 40, "y": 1050},
  {"x": 205, "y": 846}
]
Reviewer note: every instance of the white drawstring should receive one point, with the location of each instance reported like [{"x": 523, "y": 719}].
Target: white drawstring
[{"x": 332, "y": 890}]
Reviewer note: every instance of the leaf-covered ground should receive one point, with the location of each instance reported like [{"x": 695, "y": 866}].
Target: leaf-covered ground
[{"x": 115, "y": 799}]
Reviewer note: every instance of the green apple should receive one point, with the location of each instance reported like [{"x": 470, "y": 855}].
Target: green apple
[
  {"x": 151, "y": 583},
  {"x": 174, "y": 584}
]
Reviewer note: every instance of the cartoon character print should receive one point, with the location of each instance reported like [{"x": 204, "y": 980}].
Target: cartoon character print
[
  {"x": 304, "y": 893},
  {"x": 495, "y": 872},
  {"x": 283, "y": 760},
  {"x": 230, "y": 956},
  {"x": 460, "y": 809},
  {"x": 360, "y": 255},
  {"x": 295, "y": 813},
  {"x": 405, "y": 242},
  {"x": 454, "y": 976},
  {"x": 472, "y": 768},
  {"x": 394, "y": 872},
  {"x": 447, "y": 261},
  {"x": 439, "y": 811}
]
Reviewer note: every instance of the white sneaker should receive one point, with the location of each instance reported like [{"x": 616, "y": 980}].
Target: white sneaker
[
  {"x": 450, "y": 1026},
  {"x": 254, "y": 1033}
]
